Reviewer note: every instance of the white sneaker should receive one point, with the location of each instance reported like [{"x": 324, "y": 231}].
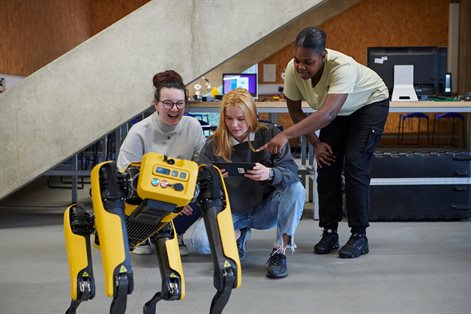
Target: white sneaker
[
  {"x": 182, "y": 246},
  {"x": 145, "y": 248}
]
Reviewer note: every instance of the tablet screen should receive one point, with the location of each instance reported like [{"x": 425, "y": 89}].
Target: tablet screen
[{"x": 235, "y": 168}]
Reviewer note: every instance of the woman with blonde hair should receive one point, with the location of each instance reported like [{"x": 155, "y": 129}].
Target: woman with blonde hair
[{"x": 268, "y": 195}]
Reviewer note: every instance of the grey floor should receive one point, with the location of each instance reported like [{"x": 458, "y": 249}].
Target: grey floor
[{"x": 412, "y": 267}]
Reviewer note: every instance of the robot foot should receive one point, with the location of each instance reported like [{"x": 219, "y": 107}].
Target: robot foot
[
  {"x": 222, "y": 296},
  {"x": 118, "y": 306},
  {"x": 149, "y": 307}
]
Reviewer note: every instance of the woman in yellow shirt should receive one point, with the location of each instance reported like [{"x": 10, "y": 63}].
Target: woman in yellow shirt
[{"x": 352, "y": 104}]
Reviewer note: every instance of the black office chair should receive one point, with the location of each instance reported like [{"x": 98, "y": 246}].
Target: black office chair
[
  {"x": 203, "y": 119},
  {"x": 280, "y": 127}
]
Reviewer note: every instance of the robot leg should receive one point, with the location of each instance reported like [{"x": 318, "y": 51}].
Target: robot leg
[
  {"x": 78, "y": 225},
  {"x": 217, "y": 217},
  {"x": 171, "y": 271},
  {"x": 110, "y": 221}
]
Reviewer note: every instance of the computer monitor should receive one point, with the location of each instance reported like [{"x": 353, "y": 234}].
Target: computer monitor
[
  {"x": 232, "y": 81},
  {"x": 442, "y": 69},
  {"x": 429, "y": 66}
]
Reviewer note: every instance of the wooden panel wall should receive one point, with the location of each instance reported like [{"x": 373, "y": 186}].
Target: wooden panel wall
[
  {"x": 378, "y": 23},
  {"x": 33, "y": 33},
  {"x": 106, "y": 12}
]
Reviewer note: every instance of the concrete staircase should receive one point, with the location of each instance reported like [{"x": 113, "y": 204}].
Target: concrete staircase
[{"x": 94, "y": 88}]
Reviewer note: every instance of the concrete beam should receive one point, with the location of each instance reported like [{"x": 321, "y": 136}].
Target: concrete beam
[{"x": 94, "y": 88}]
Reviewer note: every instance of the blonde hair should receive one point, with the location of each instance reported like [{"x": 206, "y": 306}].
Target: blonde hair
[{"x": 222, "y": 137}]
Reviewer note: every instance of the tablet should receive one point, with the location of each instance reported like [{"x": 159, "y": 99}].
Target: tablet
[{"x": 235, "y": 168}]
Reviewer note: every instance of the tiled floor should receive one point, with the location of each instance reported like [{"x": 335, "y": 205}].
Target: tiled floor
[{"x": 412, "y": 267}]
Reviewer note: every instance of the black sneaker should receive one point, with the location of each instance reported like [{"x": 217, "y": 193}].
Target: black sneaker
[
  {"x": 328, "y": 243},
  {"x": 277, "y": 267},
  {"x": 357, "y": 245},
  {"x": 242, "y": 241}
]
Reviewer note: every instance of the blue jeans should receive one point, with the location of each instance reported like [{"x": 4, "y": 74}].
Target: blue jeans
[{"x": 283, "y": 209}]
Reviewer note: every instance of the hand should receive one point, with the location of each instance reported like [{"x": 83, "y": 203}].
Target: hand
[
  {"x": 258, "y": 173},
  {"x": 187, "y": 210},
  {"x": 324, "y": 154},
  {"x": 275, "y": 145},
  {"x": 224, "y": 173}
]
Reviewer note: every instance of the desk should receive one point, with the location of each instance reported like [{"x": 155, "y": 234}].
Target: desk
[
  {"x": 274, "y": 107},
  {"x": 395, "y": 106},
  {"x": 430, "y": 106}
]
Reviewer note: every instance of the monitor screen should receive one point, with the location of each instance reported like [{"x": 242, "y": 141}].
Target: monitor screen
[
  {"x": 231, "y": 81},
  {"x": 429, "y": 66}
]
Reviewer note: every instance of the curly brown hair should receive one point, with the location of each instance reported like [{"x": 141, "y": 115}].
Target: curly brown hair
[{"x": 167, "y": 79}]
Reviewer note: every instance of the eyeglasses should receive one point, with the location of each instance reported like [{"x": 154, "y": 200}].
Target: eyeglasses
[{"x": 169, "y": 104}]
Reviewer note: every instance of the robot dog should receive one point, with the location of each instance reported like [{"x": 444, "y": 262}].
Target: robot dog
[{"x": 141, "y": 203}]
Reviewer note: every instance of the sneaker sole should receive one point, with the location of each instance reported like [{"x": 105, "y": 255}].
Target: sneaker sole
[
  {"x": 147, "y": 250},
  {"x": 277, "y": 277},
  {"x": 354, "y": 255},
  {"x": 317, "y": 251},
  {"x": 142, "y": 253}
]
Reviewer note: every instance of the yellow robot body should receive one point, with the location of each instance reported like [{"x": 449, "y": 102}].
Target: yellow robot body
[
  {"x": 172, "y": 182},
  {"x": 140, "y": 203}
]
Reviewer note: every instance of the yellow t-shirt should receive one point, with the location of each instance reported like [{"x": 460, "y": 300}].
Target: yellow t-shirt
[{"x": 342, "y": 75}]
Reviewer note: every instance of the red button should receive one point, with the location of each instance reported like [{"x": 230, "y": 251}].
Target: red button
[{"x": 164, "y": 184}]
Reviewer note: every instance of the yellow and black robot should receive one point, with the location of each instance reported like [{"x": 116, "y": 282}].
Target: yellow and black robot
[{"x": 141, "y": 203}]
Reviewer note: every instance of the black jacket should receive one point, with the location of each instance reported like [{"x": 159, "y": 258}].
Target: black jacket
[{"x": 246, "y": 194}]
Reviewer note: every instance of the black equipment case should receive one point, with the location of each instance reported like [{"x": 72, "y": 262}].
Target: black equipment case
[{"x": 418, "y": 185}]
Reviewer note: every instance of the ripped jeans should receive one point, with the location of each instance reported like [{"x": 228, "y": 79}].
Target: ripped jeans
[{"x": 283, "y": 209}]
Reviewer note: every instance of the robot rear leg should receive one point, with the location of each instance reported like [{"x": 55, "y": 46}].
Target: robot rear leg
[{"x": 78, "y": 225}]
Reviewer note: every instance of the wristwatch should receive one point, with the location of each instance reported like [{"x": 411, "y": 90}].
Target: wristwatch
[{"x": 271, "y": 174}]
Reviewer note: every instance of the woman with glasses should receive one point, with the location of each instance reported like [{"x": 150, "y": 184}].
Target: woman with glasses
[{"x": 168, "y": 132}]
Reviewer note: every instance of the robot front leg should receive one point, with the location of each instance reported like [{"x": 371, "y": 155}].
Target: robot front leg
[
  {"x": 170, "y": 265},
  {"x": 110, "y": 221},
  {"x": 220, "y": 229},
  {"x": 78, "y": 225}
]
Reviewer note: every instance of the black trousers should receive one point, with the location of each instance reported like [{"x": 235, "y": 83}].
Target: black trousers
[
  {"x": 353, "y": 140},
  {"x": 183, "y": 223}
]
